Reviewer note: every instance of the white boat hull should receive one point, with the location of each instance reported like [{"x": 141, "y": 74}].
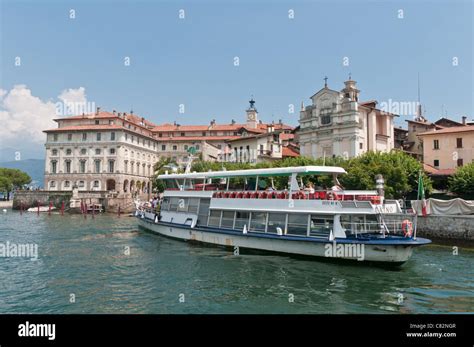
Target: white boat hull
[{"x": 394, "y": 254}]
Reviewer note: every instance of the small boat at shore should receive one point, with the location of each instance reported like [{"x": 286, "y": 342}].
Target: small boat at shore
[
  {"x": 242, "y": 210},
  {"x": 41, "y": 209}
]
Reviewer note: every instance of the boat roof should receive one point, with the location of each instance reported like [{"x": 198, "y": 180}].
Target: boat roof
[{"x": 281, "y": 171}]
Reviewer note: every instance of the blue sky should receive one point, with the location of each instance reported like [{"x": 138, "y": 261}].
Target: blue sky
[{"x": 282, "y": 61}]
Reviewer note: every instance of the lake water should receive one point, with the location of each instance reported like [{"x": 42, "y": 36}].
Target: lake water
[{"x": 107, "y": 265}]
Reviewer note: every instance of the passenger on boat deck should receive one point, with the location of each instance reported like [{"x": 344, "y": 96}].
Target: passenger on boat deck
[
  {"x": 336, "y": 188},
  {"x": 309, "y": 188}
]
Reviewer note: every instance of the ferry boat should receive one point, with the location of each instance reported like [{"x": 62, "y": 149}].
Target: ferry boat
[{"x": 242, "y": 209}]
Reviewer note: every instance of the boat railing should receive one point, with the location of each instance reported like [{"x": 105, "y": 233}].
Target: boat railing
[
  {"x": 299, "y": 195},
  {"x": 392, "y": 227}
]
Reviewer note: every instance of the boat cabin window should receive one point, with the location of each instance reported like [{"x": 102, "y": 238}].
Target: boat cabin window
[
  {"x": 241, "y": 219},
  {"x": 182, "y": 205},
  {"x": 165, "y": 205},
  {"x": 360, "y": 223},
  {"x": 297, "y": 224},
  {"x": 258, "y": 221},
  {"x": 321, "y": 225},
  {"x": 276, "y": 220},
  {"x": 227, "y": 219},
  {"x": 203, "y": 212},
  {"x": 372, "y": 223},
  {"x": 214, "y": 218},
  {"x": 174, "y": 204},
  {"x": 193, "y": 205}
]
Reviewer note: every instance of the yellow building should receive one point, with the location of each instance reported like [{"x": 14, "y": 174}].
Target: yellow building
[{"x": 449, "y": 148}]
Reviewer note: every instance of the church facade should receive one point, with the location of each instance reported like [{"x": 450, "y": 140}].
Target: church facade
[{"x": 338, "y": 124}]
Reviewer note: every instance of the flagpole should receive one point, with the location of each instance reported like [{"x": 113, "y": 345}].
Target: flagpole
[{"x": 417, "y": 205}]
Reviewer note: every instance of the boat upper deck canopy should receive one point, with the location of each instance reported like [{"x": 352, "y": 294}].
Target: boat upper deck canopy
[{"x": 272, "y": 172}]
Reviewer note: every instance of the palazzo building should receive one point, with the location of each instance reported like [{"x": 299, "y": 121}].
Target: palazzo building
[{"x": 115, "y": 152}]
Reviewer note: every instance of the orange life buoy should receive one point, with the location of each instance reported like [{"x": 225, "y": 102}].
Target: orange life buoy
[{"x": 407, "y": 228}]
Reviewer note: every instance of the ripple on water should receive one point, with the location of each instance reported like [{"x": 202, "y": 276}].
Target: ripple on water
[{"x": 112, "y": 267}]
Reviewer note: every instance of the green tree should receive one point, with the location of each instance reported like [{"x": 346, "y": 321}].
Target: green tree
[
  {"x": 400, "y": 172},
  {"x": 462, "y": 182},
  {"x": 11, "y": 179},
  {"x": 160, "y": 167}
]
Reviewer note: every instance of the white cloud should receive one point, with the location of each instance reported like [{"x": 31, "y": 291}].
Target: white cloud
[
  {"x": 73, "y": 95},
  {"x": 24, "y": 116}
]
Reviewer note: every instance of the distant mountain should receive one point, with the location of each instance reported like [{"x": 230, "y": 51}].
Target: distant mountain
[{"x": 33, "y": 167}]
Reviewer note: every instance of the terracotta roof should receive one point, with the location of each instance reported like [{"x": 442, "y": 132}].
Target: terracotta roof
[
  {"x": 102, "y": 114},
  {"x": 219, "y": 127},
  {"x": 85, "y": 127},
  {"x": 97, "y": 127},
  {"x": 132, "y": 118},
  {"x": 444, "y": 172},
  {"x": 197, "y": 138},
  {"x": 464, "y": 128},
  {"x": 289, "y": 152},
  {"x": 177, "y": 128},
  {"x": 448, "y": 121},
  {"x": 429, "y": 169},
  {"x": 284, "y": 136}
]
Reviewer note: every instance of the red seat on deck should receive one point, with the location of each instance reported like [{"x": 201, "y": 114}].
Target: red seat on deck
[{"x": 322, "y": 195}]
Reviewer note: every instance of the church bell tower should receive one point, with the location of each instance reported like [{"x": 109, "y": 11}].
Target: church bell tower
[{"x": 252, "y": 114}]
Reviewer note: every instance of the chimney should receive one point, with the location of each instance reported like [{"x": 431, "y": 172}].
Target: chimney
[
  {"x": 464, "y": 120},
  {"x": 97, "y": 110},
  {"x": 280, "y": 121},
  {"x": 232, "y": 122},
  {"x": 131, "y": 111},
  {"x": 114, "y": 112},
  {"x": 213, "y": 122}
]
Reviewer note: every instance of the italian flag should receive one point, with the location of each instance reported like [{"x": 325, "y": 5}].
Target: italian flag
[{"x": 421, "y": 195}]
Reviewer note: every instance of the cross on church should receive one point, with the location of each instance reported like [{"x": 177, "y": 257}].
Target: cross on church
[{"x": 252, "y": 102}]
